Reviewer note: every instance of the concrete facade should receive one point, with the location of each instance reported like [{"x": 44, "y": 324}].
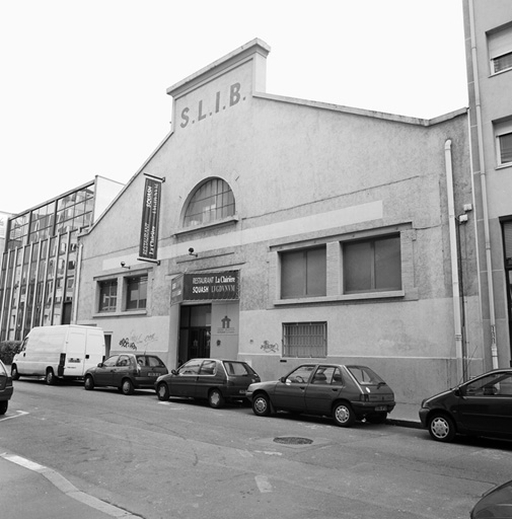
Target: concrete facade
[
  {"x": 303, "y": 175},
  {"x": 488, "y": 30}
]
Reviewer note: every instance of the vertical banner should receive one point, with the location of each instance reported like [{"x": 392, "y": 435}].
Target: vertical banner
[{"x": 150, "y": 217}]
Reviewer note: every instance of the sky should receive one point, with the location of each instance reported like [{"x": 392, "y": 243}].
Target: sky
[{"x": 83, "y": 83}]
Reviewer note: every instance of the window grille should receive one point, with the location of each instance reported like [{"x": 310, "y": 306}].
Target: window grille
[{"x": 305, "y": 340}]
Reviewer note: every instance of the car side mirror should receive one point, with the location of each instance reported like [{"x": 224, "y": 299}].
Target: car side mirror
[
  {"x": 457, "y": 392},
  {"x": 283, "y": 380},
  {"x": 100, "y": 365},
  {"x": 174, "y": 372}
]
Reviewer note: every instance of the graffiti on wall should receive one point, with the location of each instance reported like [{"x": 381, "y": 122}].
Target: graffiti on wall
[
  {"x": 138, "y": 341},
  {"x": 267, "y": 347}
]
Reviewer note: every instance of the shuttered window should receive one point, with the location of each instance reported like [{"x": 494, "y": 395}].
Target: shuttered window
[
  {"x": 372, "y": 265},
  {"x": 503, "y": 133},
  {"x": 303, "y": 273},
  {"x": 500, "y": 49}
]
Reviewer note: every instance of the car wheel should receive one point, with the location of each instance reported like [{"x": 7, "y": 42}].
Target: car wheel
[
  {"x": 441, "y": 428},
  {"x": 377, "y": 418},
  {"x": 14, "y": 372},
  {"x": 3, "y": 406},
  {"x": 127, "y": 387},
  {"x": 89, "y": 383},
  {"x": 261, "y": 405},
  {"x": 162, "y": 391},
  {"x": 343, "y": 414},
  {"x": 215, "y": 399},
  {"x": 50, "y": 377}
]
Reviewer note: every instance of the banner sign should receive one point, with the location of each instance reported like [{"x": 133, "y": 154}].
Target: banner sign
[
  {"x": 150, "y": 216},
  {"x": 198, "y": 287}
]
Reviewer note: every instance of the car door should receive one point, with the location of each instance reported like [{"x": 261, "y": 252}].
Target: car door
[
  {"x": 124, "y": 365},
  {"x": 486, "y": 404},
  {"x": 103, "y": 374},
  {"x": 290, "y": 391},
  {"x": 323, "y": 389},
  {"x": 209, "y": 375},
  {"x": 185, "y": 381}
]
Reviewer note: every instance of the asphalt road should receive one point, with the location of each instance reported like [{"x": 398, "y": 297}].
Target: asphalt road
[{"x": 179, "y": 459}]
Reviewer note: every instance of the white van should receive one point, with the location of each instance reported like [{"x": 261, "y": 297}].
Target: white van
[{"x": 59, "y": 352}]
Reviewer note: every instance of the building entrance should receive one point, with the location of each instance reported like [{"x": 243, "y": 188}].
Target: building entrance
[{"x": 195, "y": 332}]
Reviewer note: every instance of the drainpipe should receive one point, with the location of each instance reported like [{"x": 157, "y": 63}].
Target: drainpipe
[
  {"x": 483, "y": 185},
  {"x": 77, "y": 282},
  {"x": 461, "y": 375}
]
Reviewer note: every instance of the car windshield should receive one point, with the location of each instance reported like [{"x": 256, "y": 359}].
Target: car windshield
[{"x": 365, "y": 376}]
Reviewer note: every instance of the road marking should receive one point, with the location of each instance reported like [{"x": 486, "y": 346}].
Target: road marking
[
  {"x": 68, "y": 488},
  {"x": 244, "y": 453},
  {"x": 270, "y": 453},
  {"x": 20, "y": 413},
  {"x": 263, "y": 484}
]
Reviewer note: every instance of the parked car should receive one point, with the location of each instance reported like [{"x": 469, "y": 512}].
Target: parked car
[
  {"x": 480, "y": 407},
  {"x": 127, "y": 372},
  {"x": 5, "y": 388},
  {"x": 347, "y": 393},
  {"x": 496, "y": 503},
  {"x": 214, "y": 380}
]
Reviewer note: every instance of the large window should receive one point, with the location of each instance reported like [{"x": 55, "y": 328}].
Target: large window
[
  {"x": 136, "y": 292},
  {"x": 503, "y": 133},
  {"x": 500, "y": 49},
  {"x": 303, "y": 273},
  {"x": 108, "y": 296},
  {"x": 212, "y": 201},
  {"x": 305, "y": 340},
  {"x": 372, "y": 265}
]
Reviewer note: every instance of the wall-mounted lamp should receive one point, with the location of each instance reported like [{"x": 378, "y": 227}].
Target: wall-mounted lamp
[
  {"x": 123, "y": 264},
  {"x": 192, "y": 253}
]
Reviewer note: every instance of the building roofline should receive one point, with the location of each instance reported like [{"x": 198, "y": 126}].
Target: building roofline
[
  {"x": 362, "y": 111},
  {"x": 255, "y": 46}
]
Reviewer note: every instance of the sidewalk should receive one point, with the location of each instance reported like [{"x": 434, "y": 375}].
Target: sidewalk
[
  {"x": 25, "y": 493},
  {"x": 405, "y": 415}
]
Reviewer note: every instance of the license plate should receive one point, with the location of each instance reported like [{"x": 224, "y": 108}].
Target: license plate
[
  {"x": 152, "y": 374},
  {"x": 381, "y": 408}
]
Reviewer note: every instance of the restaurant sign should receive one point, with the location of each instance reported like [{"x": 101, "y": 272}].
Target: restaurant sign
[{"x": 206, "y": 286}]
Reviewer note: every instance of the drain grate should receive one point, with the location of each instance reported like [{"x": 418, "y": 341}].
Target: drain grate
[{"x": 292, "y": 440}]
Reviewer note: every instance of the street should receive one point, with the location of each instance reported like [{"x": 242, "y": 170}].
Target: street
[{"x": 183, "y": 459}]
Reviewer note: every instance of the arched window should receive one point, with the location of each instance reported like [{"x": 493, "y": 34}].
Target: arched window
[{"x": 212, "y": 200}]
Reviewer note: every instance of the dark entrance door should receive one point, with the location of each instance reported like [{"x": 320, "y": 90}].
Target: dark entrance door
[{"x": 195, "y": 331}]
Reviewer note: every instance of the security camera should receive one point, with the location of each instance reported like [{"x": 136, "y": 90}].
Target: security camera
[
  {"x": 191, "y": 250},
  {"x": 123, "y": 263}
]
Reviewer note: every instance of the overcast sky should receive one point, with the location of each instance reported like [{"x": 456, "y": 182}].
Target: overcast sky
[{"x": 83, "y": 83}]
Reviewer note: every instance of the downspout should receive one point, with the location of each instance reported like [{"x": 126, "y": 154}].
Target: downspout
[
  {"x": 454, "y": 258},
  {"x": 483, "y": 186},
  {"x": 77, "y": 282}
]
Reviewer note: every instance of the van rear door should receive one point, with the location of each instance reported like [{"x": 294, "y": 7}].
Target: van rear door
[{"x": 75, "y": 352}]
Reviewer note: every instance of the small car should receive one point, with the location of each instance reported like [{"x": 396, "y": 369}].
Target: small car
[
  {"x": 214, "y": 380},
  {"x": 127, "y": 372},
  {"x": 347, "y": 393},
  {"x": 6, "y": 388},
  {"x": 479, "y": 407},
  {"x": 496, "y": 503}
]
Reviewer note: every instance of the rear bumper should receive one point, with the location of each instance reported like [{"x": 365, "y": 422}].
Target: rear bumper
[
  {"x": 6, "y": 393},
  {"x": 365, "y": 408}
]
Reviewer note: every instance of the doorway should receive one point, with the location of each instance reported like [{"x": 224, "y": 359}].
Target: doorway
[{"x": 195, "y": 332}]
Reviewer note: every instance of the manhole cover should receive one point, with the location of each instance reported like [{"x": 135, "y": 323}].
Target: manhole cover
[{"x": 291, "y": 440}]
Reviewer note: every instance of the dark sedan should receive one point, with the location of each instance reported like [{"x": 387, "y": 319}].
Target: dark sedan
[
  {"x": 127, "y": 372},
  {"x": 5, "y": 388},
  {"x": 347, "y": 393},
  {"x": 480, "y": 407},
  {"x": 213, "y": 380}
]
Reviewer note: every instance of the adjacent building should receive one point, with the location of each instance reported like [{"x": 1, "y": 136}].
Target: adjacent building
[
  {"x": 40, "y": 262},
  {"x": 488, "y": 30},
  {"x": 278, "y": 230}
]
